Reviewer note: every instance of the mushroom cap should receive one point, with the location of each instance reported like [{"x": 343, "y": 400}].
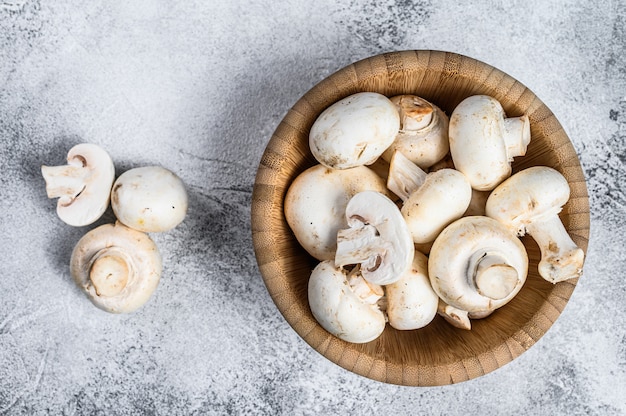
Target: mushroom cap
[
  {"x": 411, "y": 301},
  {"x": 316, "y": 201},
  {"x": 476, "y": 134},
  {"x": 338, "y": 309},
  {"x": 84, "y": 202},
  {"x": 149, "y": 199},
  {"x": 443, "y": 198},
  {"x": 457, "y": 252},
  {"x": 390, "y": 249},
  {"x": 530, "y": 195},
  {"x": 354, "y": 131},
  {"x": 423, "y": 134},
  {"x": 129, "y": 258}
]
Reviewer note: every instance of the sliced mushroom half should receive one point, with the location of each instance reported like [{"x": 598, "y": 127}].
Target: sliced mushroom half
[
  {"x": 83, "y": 186},
  {"x": 378, "y": 239}
]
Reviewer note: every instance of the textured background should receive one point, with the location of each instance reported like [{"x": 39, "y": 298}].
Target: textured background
[{"x": 198, "y": 87}]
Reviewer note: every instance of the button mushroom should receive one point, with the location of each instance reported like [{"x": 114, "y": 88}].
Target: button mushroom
[
  {"x": 483, "y": 142},
  {"x": 477, "y": 264},
  {"x": 431, "y": 201},
  {"x": 423, "y": 134},
  {"x": 411, "y": 301},
  {"x": 149, "y": 199},
  {"x": 345, "y": 304},
  {"x": 83, "y": 186},
  {"x": 378, "y": 239},
  {"x": 315, "y": 205},
  {"x": 117, "y": 267},
  {"x": 529, "y": 202},
  {"x": 354, "y": 131}
]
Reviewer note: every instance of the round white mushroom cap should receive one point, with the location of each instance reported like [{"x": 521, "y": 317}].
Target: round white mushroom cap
[
  {"x": 411, "y": 301},
  {"x": 345, "y": 304},
  {"x": 477, "y": 264},
  {"x": 316, "y": 201},
  {"x": 483, "y": 142},
  {"x": 117, "y": 267},
  {"x": 83, "y": 186},
  {"x": 423, "y": 134},
  {"x": 354, "y": 131},
  {"x": 149, "y": 199}
]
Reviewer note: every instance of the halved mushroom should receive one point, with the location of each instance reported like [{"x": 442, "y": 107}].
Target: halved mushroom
[
  {"x": 149, "y": 199},
  {"x": 423, "y": 134},
  {"x": 117, "y": 267},
  {"x": 345, "y": 304},
  {"x": 483, "y": 143},
  {"x": 83, "y": 186},
  {"x": 411, "y": 301},
  {"x": 529, "y": 202},
  {"x": 315, "y": 205},
  {"x": 354, "y": 131},
  {"x": 477, "y": 265},
  {"x": 431, "y": 201},
  {"x": 454, "y": 316},
  {"x": 378, "y": 239}
]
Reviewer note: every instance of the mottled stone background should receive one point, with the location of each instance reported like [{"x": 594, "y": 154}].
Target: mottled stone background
[{"x": 198, "y": 87}]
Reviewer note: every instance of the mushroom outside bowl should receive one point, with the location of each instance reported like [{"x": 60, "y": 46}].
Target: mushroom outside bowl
[{"x": 439, "y": 353}]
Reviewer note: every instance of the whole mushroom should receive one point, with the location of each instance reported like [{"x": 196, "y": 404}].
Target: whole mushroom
[
  {"x": 354, "y": 131},
  {"x": 378, "y": 239},
  {"x": 316, "y": 201},
  {"x": 477, "y": 265},
  {"x": 345, "y": 304},
  {"x": 411, "y": 301},
  {"x": 83, "y": 186},
  {"x": 117, "y": 267},
  {"x": 529, "y": 203},
  {"x": 430, "y": 201},
  {"x": 423, "y": 134},
  {"x": 149, "y": 199},
  {"x": 483, "y": 142}
]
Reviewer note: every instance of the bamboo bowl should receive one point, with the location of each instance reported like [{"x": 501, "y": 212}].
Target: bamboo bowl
[{"x": 438, "y": 354}]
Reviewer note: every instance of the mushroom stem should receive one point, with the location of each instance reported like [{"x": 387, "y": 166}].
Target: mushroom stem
[
  {"x": 360, "y": 245},
  {"x": 454, "y": 316},
  {"x": 561, "y": 258},
  {"x": 516, "y": 136},
  {"x": 495, "y": 278},
  {"x": 110, "y": 272},
  {"x": 66, "y": 181},
  {"x": 405, "y": 177},
  {"x": 368, "y": 292},
  {"x": 415, "y": 113}
]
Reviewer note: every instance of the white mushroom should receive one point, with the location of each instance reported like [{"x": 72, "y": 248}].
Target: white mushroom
[
  {"x": 378, "y": 239},
  {"x": 477, "y": 264},
  {"x": 149, "y": 199},
  {"x": 411, "y": 301},
  {"x": 315, "y": 205},
  {"x": 117, "y": 267},
  {"x": 529, "y": 202},
  {"x": 423, "y": 135},
  {"x": 83, "y": 186},
  {"x": 431, "y": 201},
  {"x": 354, "y": 131},
  {"x": 483, "y": 143},
  {"x": 345, "y": 304}
]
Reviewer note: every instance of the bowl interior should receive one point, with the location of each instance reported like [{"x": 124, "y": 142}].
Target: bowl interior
[{"x": 439, "y": 353}]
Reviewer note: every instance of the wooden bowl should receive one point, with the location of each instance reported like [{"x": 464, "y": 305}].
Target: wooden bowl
[{"x": 438, "y": 354}]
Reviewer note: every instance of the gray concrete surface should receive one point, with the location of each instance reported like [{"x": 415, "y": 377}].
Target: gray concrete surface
[{"x": 198, "y": 87}]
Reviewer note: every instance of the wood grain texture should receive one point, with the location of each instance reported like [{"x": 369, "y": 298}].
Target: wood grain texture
[{"x": 438, "y": 354}]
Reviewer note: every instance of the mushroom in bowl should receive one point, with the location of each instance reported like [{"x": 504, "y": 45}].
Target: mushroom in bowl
[{"x": 438, "y": 353}]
